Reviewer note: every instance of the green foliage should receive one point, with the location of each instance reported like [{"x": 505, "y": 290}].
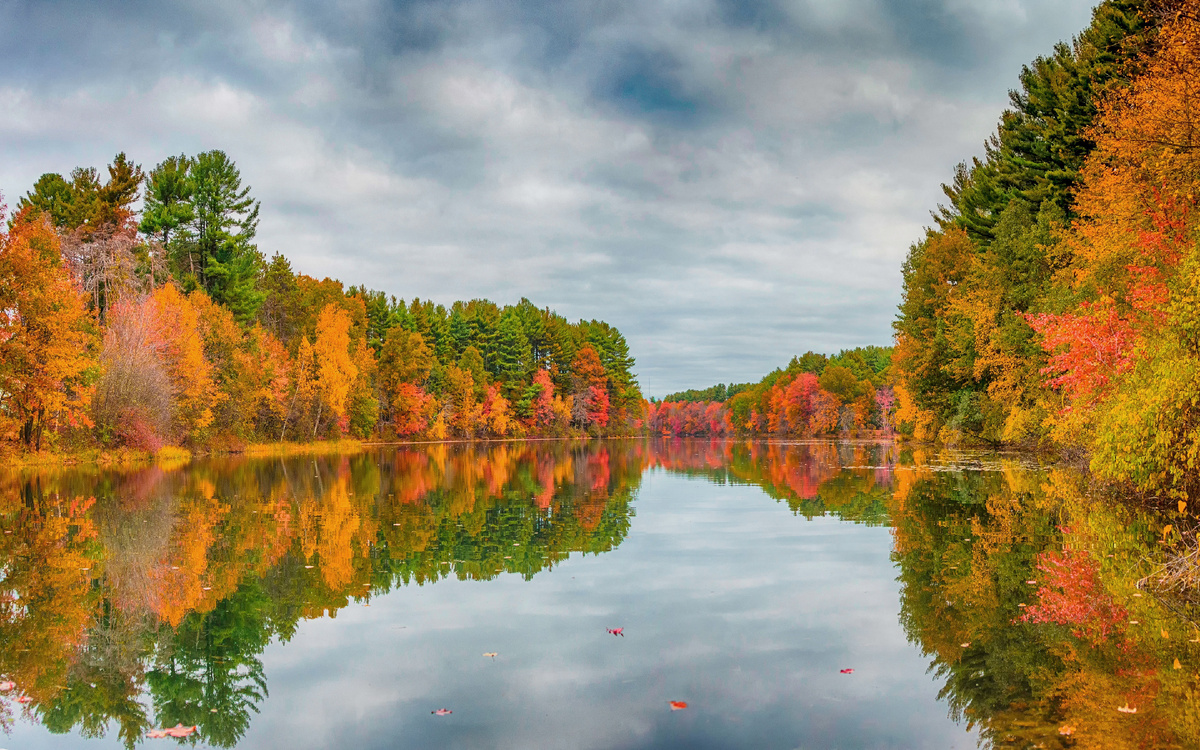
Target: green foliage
[
  {"x": 1042, "y": 141},
  {"x": 718, "y": 393},
  {"x": 841, "y": 382}
]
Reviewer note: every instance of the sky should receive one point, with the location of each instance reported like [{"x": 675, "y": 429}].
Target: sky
[{"x": 730, "y": 183}]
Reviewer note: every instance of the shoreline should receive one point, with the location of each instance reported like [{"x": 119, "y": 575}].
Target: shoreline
[{"x": 174, "y": 456}]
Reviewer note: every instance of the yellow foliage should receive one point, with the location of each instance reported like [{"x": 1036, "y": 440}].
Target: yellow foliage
[
  {"x": 336, "y": 369},
  {"x": 177, "y": 326}
]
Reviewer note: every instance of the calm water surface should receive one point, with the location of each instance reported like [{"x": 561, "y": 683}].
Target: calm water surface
[{"x": 337, "y": 601}]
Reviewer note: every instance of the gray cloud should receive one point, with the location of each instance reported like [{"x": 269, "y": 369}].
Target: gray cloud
[{"x": 729, "y": 183}]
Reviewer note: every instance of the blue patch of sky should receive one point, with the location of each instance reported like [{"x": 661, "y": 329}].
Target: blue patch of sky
[{"x": 646, "y": 83}]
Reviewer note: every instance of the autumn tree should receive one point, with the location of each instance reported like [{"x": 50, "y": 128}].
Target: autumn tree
[
  {"x": 179, "y": 336},
  {"x": 46, "y": 337},
  {"x": 336, "y": 370},
  {"x": 133, "y": 398},
  {"x": 590, "y": 389}
]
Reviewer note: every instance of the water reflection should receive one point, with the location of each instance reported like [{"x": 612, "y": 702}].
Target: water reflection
[{"x": 141, "y": 598}]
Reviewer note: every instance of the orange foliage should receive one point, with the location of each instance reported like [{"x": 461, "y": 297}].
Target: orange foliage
[
  {"x": 46, "y": 339},
  {"x": 178, "y": 330}
]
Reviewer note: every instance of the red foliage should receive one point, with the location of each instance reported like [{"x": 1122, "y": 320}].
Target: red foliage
[
  {"x": 685, "y": 418},
  {"x": 136, "y": 429},
  {"x": 597, "y": 405},
  {"x": 1087, "y": 350},
  {"x": 410, "y": 405},
  {"x": 543, "y": 407}
]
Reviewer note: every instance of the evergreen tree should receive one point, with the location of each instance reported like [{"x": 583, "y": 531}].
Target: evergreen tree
[
  {"x": 225, "y": 222},
  {"x": 168, "y": 211}
]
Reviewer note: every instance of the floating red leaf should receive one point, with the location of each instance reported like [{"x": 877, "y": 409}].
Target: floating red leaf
[
  {"x": 7, "y": 685},
  {"x": 678, "y": 705},
  {"x": 442, "y": 712},
  {"x": 616, "y": 631},
  {"x": 847, "y": 671}
]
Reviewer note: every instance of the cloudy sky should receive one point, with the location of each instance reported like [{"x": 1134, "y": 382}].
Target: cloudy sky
[{"x": 728, "y": 182}]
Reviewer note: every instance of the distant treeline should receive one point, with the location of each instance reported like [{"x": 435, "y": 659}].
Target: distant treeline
[
  {"x": 815, "y": 395},
  {"x": 1057, "y": 300},
  {"x": 168, "y": 325},
  {"x": 719, "y": 393}
]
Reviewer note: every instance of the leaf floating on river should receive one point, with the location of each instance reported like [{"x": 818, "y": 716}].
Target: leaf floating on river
[
  {"x": 7, "y": 685},
  {"x": 1066, "y": 730},
  {"x": 442, "y": 712},
  {"x": 491, "y": 654},
  {"x": 616, "y": 631},
  {"x": 24, "y": 699},
  {"x": 180, "y": 730},
  {"x": 847, "y": 671},
  {"x": 678, "y": 705},
  {"x": 1126, "y": 709},
  {"x": 1176, "y": 665},
  {"x": 965, "y": 645}
]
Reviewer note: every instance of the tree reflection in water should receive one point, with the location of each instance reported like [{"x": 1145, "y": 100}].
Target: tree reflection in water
[{"x": 168, "y": 584}]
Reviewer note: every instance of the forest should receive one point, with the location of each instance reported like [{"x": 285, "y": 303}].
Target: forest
[
  {"x": 1055, "y": 302},
  {"x": 163, "y": 324},
  {"x": 814, "y": 396}
]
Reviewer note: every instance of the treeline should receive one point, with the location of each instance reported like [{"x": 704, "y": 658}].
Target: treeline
[
  {"x": 719, "y": 393},
  {"x": 1056, "y": 300},
  {"x": 169, "y": 326},
  {"x": 815, "y": 395}
]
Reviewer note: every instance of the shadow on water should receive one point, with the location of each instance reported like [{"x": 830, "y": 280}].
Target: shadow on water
[{"x": 139, "y": 598}]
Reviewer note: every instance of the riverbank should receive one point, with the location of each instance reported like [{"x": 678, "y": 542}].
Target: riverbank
[{"x": 170, "y": 455}]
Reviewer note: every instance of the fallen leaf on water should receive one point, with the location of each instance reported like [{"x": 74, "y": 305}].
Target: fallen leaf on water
[
  {"x": 1138, "y": 596},
  {"x": 442, "y": 712},
  {"x": 847, "y": 671},
  {"x": 157, "y": 734},
  {"x": 616, "y": 631},
  {"x": 1066, "y": 729},
  {"x": 491, "y": 654},
  {"x": 7, "y": 685},
  {"x": 1133, "y": 622},
  {"x": 1177, "y": 665},
  {"x": 1032, "y": 583},
  {"x": 965, "y": 645},
  {"x": 180, "y": 730},
  {"x": 1166, "y": 634},
  {"x": 678, "y": 705},
  {"x": 1126, "y": 709},
  {"x": 308, "y": 567},
  {"x": 24, "y": 699}
]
